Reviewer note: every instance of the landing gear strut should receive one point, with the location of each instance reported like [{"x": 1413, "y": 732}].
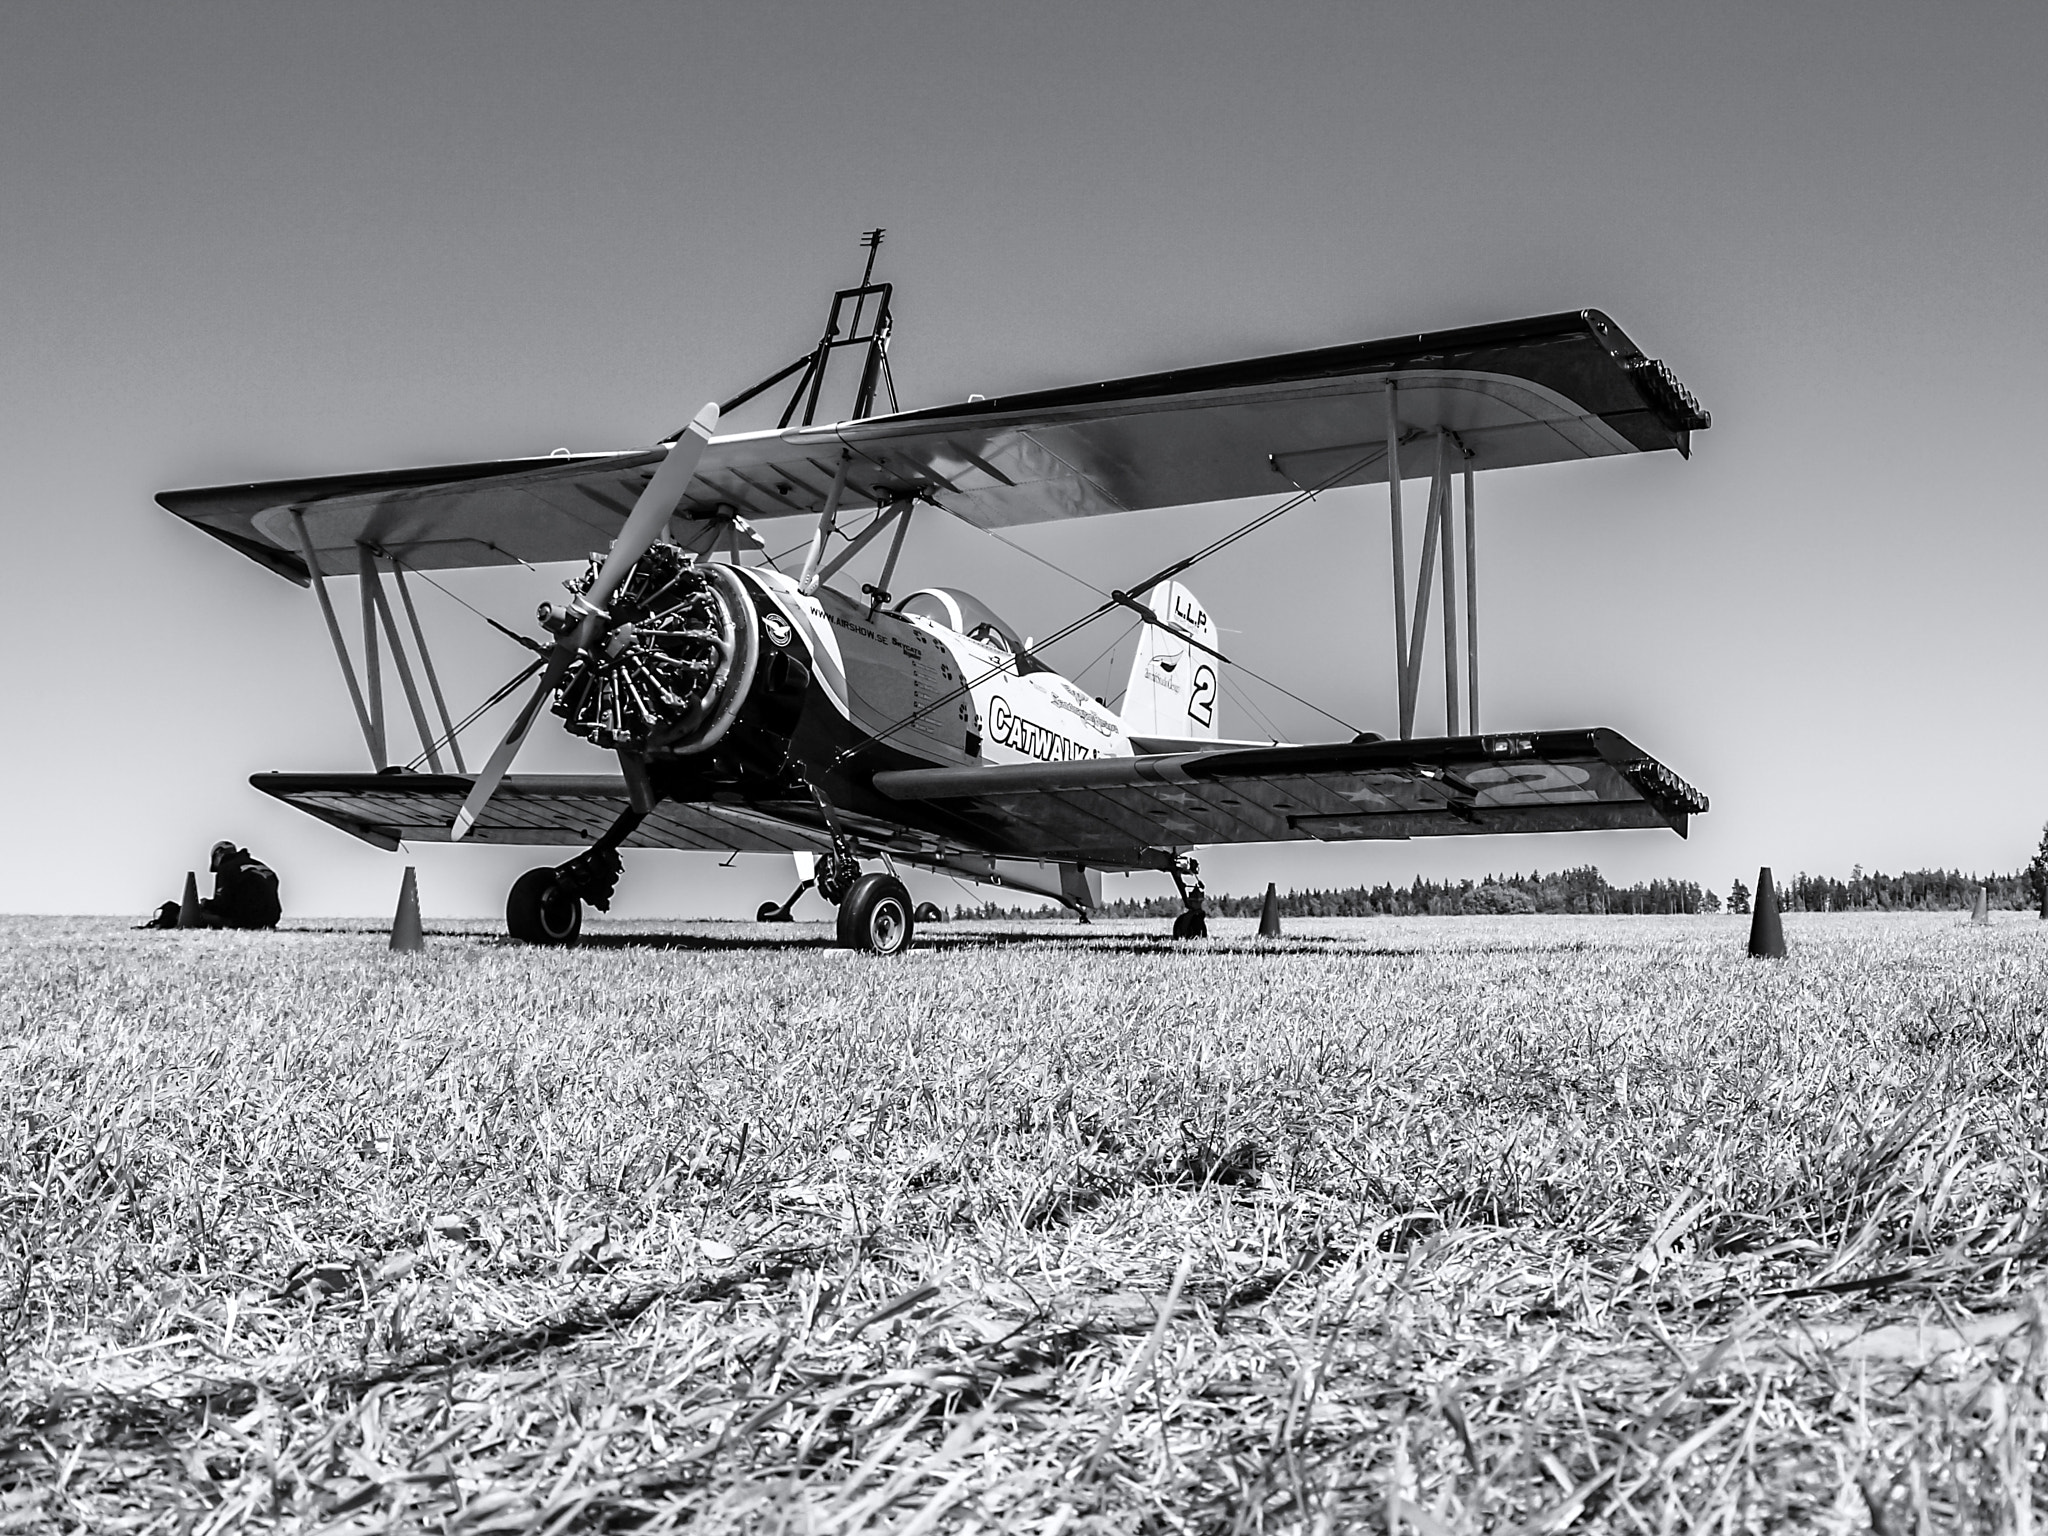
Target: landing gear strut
[
  {"x": 837, "y": 870},
  {"x": 875, "y": 911},
  {"x": 545, "y": 906},
  {"x": 1193, "y": 923},
  {"x": 778, "y": 911}
]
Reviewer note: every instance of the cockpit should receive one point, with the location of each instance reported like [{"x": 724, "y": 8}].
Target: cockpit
[{"x": 968, "y": 615}]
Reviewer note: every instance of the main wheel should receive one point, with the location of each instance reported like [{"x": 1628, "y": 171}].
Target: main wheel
[
  {"x": 539, "y": 911},
  {"x": 876, "y": 915}
]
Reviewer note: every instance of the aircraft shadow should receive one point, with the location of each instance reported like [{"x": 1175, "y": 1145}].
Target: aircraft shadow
[
  {"x": 1107, "y": 944},
  {"x": 820, "y": 937}
]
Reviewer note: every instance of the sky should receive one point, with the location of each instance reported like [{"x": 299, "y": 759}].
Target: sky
[{"x": 251, "y": 241}]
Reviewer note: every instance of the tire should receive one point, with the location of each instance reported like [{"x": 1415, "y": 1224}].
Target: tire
[
  {"x": 930, "y": 912},
  {"x": 1191, "y": 925},
  {"x": 771, "y": 912},
  {"x": 539, "y": 911},
  {"x": 877, "y": 916}
]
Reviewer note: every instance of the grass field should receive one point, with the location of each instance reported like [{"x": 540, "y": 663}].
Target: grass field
[{"x": 1417, "y": 1225}]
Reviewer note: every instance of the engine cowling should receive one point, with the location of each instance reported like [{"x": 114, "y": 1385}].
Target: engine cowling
[{"x": 674, "y": 664}]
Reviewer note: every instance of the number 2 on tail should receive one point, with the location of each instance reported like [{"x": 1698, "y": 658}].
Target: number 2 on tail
[{"x": 1202, "y": 698}]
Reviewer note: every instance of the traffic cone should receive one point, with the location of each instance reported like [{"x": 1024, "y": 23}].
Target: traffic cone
[
  {"x": 405, "y": 923},
  {"x": 1269, "y": 914},
  {"x": 1766, "y": 932},
  {"x": 188, "y": 904},
  {"x": 1980, "y": 915}
]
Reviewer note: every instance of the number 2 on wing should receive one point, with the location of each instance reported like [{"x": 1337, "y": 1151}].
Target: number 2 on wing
[{"x": 1202, "y": 696}]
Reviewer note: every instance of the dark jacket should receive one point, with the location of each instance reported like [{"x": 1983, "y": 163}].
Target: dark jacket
[{"x": 245, "y": 892}]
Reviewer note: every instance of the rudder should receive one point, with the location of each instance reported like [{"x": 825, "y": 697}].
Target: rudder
[{"x": 1174, "y": 687}]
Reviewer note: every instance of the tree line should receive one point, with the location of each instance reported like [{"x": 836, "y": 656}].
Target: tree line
[{"x": 1586, "y": 890}]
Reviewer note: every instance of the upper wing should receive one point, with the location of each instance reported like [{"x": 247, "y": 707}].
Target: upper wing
[
  {"x": 1535, "y": 391},
  {"x": 1108, "y": 810},
  {"x": 501, "y": 512}
]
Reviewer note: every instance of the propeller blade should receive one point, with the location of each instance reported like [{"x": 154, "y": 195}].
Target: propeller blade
[
  {"x": 657, "y": 504},
  {"x": 487, "y": 782},
  {"x": 644, "y": 524}
]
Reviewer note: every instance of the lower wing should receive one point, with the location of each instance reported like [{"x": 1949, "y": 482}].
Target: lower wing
[
  {"x": 1106, "y": 810},
  {"x": 564, "y": 809},
  {"x": 1110, "y": 812}
]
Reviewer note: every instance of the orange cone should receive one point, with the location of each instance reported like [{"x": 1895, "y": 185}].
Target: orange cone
[
  {"x": 1269, "y": 914},
  {"x": 405, "y": 923},
  {"x": 1980, "y": 915},
  {"x": 188, "y": 904},
  {"x": 1766, "y": 932}
]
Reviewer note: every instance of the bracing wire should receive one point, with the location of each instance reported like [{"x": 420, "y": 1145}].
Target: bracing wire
[
  {"x": 776, "y": 560},
  {"x": 1119, "y": 640},
  {"x": 1057, "y": 570},
  {"x": 511, "y": 634},
  {"x": 475, "y": 714},
  {"x": 1304, "y": 703},
  {"x": 1167, "y": 573},
  {"x": 1222, "y": 543},
  {"x": 1244, "y": 702}
]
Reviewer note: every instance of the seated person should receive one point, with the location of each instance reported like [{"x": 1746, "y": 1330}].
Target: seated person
[{"x": 244, "y": 894}]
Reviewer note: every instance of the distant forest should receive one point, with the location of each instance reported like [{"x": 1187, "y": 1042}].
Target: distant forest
[{"x": 1587, "y": 890}]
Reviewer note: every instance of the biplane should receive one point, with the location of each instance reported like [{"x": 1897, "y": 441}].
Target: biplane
[{"x": 757, "y": 709}]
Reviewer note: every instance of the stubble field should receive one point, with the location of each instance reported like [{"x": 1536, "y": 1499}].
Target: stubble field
[{"x": 1428, "y": 1225}]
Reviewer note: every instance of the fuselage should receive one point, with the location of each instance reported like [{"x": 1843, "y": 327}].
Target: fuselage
[{"x": 888, "y": 690}]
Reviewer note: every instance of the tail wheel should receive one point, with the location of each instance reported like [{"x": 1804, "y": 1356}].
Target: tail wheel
[
  {"x": 539, "y": 910},
  {"x": 877, "y": 915}
]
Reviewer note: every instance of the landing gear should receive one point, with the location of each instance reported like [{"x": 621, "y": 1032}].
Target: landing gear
[
  {"x": 779, "y": 911},
  {"x": 545, "y": 906},
  {"x": 543, "y": 910},
  {"x": 838, "y": 872},
  {"x": 877, "y": 915},
  {"x": 875, "y": 911},
  {"x": 1193, "y": 923}
]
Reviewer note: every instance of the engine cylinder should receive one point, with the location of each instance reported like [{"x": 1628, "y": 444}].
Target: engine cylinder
[{"x": 673, "y": 663}]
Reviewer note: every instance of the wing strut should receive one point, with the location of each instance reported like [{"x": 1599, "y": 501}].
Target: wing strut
[
  {"x": 828, "y": 518},
  {"x": 1439, "y": 548},
  {"x": 373, "y": 584},
  {"x": 419, "y": 640},
  {"x": 1471, "y": 609},
  {"x": 373, "y": 673},
  {"x": 1407, "y": 706},
  {"x": 348, "y": 671}
]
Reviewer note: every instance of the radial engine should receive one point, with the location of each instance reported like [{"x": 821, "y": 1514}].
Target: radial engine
[{"x": 679, "y": 665}]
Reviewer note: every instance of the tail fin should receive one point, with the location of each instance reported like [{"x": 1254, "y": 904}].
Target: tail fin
[{"x": 1172, "y": 694}]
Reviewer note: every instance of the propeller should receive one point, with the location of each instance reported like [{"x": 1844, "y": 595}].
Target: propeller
[{"x": 644, "y": 524}]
